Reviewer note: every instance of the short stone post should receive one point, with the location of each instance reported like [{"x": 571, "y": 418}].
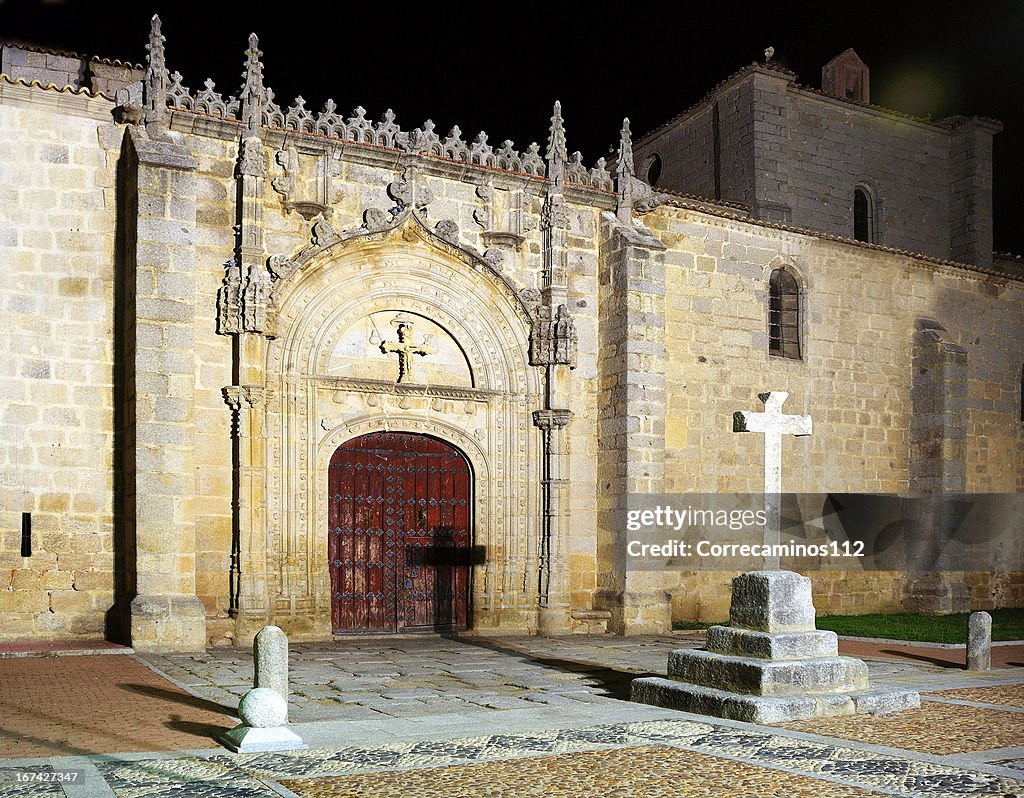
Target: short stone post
[
  {"x": 979, "y": 642},
  {"x": 264, "y": 709},
  {"x": 270, "y": 659}
]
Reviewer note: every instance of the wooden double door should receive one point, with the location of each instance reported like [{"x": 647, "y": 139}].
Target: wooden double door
[{"x": 400, "y": 510}]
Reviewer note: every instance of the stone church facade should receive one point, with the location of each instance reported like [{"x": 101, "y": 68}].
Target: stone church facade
[{"x": 266, "y": 365}]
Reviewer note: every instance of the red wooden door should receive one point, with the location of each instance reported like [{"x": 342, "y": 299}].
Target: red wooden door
[{"x": 398, "y": 530}]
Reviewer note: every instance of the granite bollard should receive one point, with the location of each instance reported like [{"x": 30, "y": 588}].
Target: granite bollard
[
  {"x": 979, "y": 642},
  {"x": 270, "y": 660},
  {"x": 264, "y": 709}
]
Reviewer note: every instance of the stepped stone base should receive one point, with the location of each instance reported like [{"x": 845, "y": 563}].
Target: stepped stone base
[
  {"x": 768, "y": 677},
  {"x": 771, "y": 665},
  {"x": 673, "y": 694},
  {"x": 780, "y": 645}
]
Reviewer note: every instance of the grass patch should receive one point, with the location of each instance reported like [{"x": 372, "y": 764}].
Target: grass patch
[{"x": 1007, "y": 624}]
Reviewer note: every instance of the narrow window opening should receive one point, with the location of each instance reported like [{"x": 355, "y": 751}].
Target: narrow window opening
[
  {"x": 26, "y": 534},
  {"x": 783, "y": 315},
  {"x": 863, "y": 227}
]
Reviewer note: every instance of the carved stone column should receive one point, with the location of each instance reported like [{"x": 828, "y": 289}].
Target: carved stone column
[
  {"x": 249, "y": 556},
  {"x": 554, "y": 598},
  {"x": 553, "y": 345}
]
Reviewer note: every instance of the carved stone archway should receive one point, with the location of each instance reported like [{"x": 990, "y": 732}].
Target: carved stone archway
[{"x": 318, "y": 396}]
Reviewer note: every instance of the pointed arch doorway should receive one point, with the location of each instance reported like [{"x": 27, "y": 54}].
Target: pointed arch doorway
[{"x": 399, "y": 534}]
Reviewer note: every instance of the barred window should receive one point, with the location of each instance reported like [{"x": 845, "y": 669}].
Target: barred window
[{"x": 783, "y": 315}]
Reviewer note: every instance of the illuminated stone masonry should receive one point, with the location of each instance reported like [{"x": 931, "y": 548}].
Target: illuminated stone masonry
[{"x": 210, "y": 294}]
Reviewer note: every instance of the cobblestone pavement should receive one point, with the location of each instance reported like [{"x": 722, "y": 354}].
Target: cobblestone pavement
[
  {"x": 452, "y": 718},
  {"x": 1007, "y": 695},
  {"x": 935, "y": 728},
  {"x": 661, "y": 758}
]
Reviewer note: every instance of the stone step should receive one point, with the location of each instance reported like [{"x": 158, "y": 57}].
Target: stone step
[
  {"x": 766, "y": 677},
  {"x": 780, "y": 645},
  {"x": 768, "y": 709}
]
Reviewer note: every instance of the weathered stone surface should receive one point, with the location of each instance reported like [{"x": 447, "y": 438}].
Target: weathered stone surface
[
  {"x": 262, "y": 708},
  {"x": 767, "y": 709},
  {"x": 781, "y": 645},
  {"x": 979, "y": 642},
  {"x": 772, "y": 601},
  {"x": 270, "y": 660},
  {"x": 768, "y": 677},
  {"x": 671, "y": 336}
]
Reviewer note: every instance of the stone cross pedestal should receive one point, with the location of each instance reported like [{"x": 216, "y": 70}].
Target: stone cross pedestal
[
  {"x": 979, "y": 642},
  {"x": 770, "y": 665},
  {"x": 264, "y": 709},
  {"x": 773, "y": 424}
]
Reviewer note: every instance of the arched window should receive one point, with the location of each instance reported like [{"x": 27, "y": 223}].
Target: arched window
[
  {"x": 783, "y": 315},
  {"x": 863, "y": 215},
  {"x": 654, "y": 169}
]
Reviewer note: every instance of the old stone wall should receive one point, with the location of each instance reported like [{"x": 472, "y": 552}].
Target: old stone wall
[
  {"x": 860, "y": 308},
  {"x": 57, "y": 224},
  {"x": 796, "y": 156},
  {"x": 670, "y": 343},
  {"x": 215, "y": 242}
]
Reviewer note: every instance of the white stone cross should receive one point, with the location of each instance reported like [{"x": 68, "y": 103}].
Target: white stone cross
[{"x": 773, "y": 424}]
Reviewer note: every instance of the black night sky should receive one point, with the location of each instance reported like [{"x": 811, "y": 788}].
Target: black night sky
[{"x": 499, "y": 66}]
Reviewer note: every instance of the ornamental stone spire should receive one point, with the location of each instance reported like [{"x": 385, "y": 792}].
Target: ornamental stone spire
[
  {"x": 254, "y": 93},
  {"x": 624, "y": 171},
  {"x": 155, "y": 80},
  {"x": 556, "y": 146}
]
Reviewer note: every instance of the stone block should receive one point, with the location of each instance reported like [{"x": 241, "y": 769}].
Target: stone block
[
  {"x": 768, "y": 677},
  {"x": 768, "y": 709},
  {"x": 772, "y": 601},
  {"x": 168, "y": 623},
  {"x": 784, "y": 645},
  {"x": 246, "y": 740}
]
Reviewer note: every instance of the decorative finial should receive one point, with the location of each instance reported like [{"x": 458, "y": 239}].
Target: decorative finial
[
  {"x": 254, "y": 94},
  {"x": 624, "y": 171},
  {"x": 155, "y": 81},
  {"x": 556, "y": 139},
  {"x": 556, "y": 146},
  {"x": 768, "y": 53}
]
